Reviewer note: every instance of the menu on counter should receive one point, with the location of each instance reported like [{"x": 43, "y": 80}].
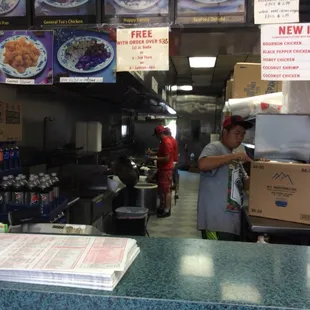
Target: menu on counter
[
  {"x": 136, "y": 11},
  {"x": 276, "y": 11},
  {"x": 285, "y": 52},
  {"x": 87, "y": 262},
  {"x": 143, "y": 49},
  {"x": 13, "y": 13},
  {"x": 210, "y": 11},
  {"x": 26, "y": 57},
  {"x": 64, "y": 12},
  {"x": 84, "y": 56}
]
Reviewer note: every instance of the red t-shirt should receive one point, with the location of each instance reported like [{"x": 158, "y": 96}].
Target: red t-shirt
[
  {"x": 165, "y": 149},
  {"x": 175, "y": 149}
]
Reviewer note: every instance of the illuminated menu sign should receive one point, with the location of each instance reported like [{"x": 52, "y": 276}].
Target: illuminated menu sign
[
  {"x": 64, "y": 12},
  {"x": 13, "y": 13},
  {"x": 136, "y": 11},
  {"x": 210, "y": 11}
]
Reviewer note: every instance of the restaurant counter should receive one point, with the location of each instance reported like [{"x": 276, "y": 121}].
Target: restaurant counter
[{"x": 187, "y": 274}]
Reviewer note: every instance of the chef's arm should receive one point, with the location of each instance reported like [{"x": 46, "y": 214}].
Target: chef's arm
[
  {"x": 213, "y": 162},
  {"x": 164, "y": 159}
]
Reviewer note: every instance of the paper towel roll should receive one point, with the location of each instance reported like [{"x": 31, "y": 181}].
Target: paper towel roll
[{"x": 296, "y": 97}]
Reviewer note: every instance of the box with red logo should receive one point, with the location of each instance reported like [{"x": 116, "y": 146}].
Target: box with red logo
[
  {"x": 280, "y": 191},
  {"x": 10, "y": 122}
]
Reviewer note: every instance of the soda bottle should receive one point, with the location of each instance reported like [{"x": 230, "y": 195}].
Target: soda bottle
[
  {"x": 11, "y": 158},
  {"x": 6, "y": 158},
  {"x": 41, "y": 176},
  {"x": 50, "y": 186},
  {"x": 18, "y": 192},
  {"x": 32, "y": 192},
  {"x": 17, "y": 163},
  {"x": 4, "y": 195},
  {"x": 1, "y": 158},
  {"x": 56, "y": 184},
  {"x": 44, "y": 192},
  {"x": 10, "y": 183}
]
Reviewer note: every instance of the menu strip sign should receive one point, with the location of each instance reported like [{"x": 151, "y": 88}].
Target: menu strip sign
[
  {"x": 210, "y": 11},
  {"x": 64, "y": 12},
  {"x": 285, "y": 52},
  {"x": 276, "y": 11},
  {"x": 13, "y": 13},
  {"x": 136, "y": 11},
  {"x": 143, "y": 49}
]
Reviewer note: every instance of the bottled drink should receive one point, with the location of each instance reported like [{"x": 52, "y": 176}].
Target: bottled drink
[
  {"x": 32, "y": 192},
  {"x": 11, "y": 183},
  {"x": 6, "y": 158},
  {"x": 11, "y": 157},
  {"x": 17, "y": 163},
  {"x": 1, "y": 158},
  {"x": 56, "y": 184},
  {"x": 41, "y": 176},
  {"x": 50, "y": 186},
  {"x": 18, "y": 192},
  {"x": 4, "y": 195},
  {"x": 44, "y": 192}
]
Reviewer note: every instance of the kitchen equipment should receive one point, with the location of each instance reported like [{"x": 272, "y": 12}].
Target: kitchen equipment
[
  {"x": 283, "y": 137},
  {"x": 81, "y": 135},
  {"x": 147, "y": 196},
  {"x": 127, "y": 171},
  {"x": 94, "y": 137}
]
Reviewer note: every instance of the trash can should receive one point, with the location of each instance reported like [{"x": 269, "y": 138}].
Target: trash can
[{"x": 131, "y": 221}]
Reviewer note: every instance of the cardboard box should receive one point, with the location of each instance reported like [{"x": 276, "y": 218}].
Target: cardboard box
[
  {"x": 248, "y": 83},
  {"x": 280, "y": 191},
  {"x": 10, "y": 122},
  {"x": 229, "y": 89}
]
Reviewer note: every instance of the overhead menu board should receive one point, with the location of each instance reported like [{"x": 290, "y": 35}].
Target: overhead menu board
[
  {"x": 210, "y": 11},
  {"x": 13, "y": 13},
  {"x": 84, "y": 56},
  {"x": 136, "y": 11},
  {"x": 64, "y": 12},
  {"x": 285, "y": 52},
  {"x": 26, "y": 57}
]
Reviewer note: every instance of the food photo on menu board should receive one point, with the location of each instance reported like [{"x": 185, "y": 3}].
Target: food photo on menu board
[
  {"x": 26, "y": 57},
  {"x": 13, "y": 12},
  {"x": 64, "y": 12},
  {"x": 210, "y": 11},
  {"x": 84, "y": 56},
  {"x": 135, "y": 11}
]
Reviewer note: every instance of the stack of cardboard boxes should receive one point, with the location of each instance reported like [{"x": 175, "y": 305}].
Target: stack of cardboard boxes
[
  {"x": 278, "y": 190},
  {"x": 10, "y": 122},
  {"x": 247, "y": 82}
]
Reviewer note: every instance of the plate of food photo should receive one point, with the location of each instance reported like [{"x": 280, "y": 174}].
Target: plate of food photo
[
  {"x": 136, "y": 5},
  {"x": 85, "y": 54},
  {"x": 7, "y": 6},
  {"x": 213, "y": 2},
  {"x": 66, "y": 4},
  {"x": 22, "y": 56}
]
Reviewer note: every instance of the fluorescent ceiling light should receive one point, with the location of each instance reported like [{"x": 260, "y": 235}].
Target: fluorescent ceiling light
[
  {"x": 202, "y": 62},
  {"x": 185, "y": 87},
  {"x": 174, "y": 88}
]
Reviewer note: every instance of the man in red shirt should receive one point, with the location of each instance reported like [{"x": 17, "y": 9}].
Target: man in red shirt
[
  {"x": 164, "y": 170},
  {"x": 175, "y": 173}
]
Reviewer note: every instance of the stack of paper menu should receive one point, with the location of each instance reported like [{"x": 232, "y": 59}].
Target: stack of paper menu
[{"x": 76, "y": 261}]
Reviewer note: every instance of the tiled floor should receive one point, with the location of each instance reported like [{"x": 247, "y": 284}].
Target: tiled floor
[{"x": 182, "y": 222}]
